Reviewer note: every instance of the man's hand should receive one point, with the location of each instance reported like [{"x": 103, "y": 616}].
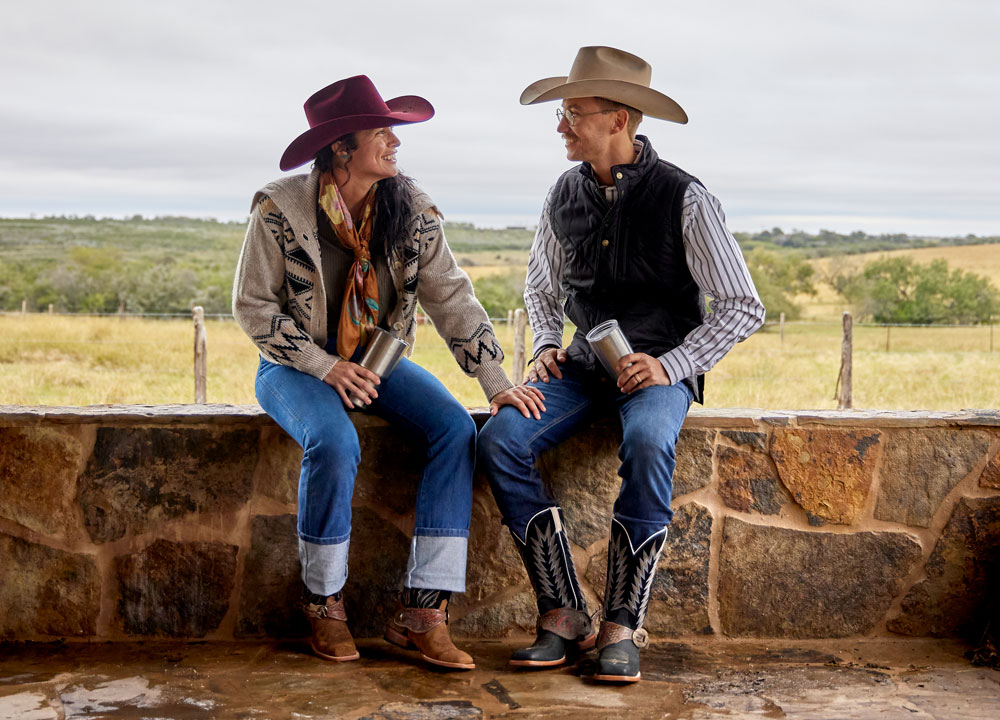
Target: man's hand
[
  {"x": 349, "y": 379},
  {"x": 639, "y": 370},
  {"x": 526, "y": 399},
  {"x": 546, "y": 364}
]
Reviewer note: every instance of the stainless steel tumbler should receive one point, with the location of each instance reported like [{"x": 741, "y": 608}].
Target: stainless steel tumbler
[
  {"x": 609, "y": 344},
  {"x": 381, "y": 355}
]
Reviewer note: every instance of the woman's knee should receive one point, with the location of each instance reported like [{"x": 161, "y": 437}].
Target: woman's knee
[
  {"x": 460, "y": 425},
  {"x": 334, "y": 446}
]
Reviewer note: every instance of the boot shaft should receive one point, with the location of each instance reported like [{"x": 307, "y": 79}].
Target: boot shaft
[
  {"x": 630, "y": 576},
  {"x": 548, "y": 559}
]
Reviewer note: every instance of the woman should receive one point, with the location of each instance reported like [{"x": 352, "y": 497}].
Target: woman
[{"x": 327, "y": 256}]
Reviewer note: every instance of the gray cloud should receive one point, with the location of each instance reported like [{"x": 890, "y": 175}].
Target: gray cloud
[{"x": 876, "y": 114}]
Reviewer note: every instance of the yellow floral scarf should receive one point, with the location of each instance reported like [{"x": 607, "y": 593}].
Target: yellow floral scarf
[{"x": 359, "y": 310}]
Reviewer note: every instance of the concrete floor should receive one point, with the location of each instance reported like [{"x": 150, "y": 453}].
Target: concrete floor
[{"x": 701, "y": 680}]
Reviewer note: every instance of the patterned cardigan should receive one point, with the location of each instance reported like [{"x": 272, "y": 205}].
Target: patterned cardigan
[{"x": 280, "y": 302}]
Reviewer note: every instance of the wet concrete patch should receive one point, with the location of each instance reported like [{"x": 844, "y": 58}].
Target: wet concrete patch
[
  {"x": 699, "y": 680},
  {"x": 462, "y": 710}
]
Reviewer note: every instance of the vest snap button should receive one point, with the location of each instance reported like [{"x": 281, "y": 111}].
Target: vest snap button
[
  {"x": 605, "y": 242},
  {"x": 619, "y": 176}
]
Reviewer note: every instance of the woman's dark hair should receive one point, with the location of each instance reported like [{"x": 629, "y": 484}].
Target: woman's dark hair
[{"x": 393, "y": 198}]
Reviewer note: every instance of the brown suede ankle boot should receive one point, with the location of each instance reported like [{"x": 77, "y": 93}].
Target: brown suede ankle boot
[
  {"x": 426, "y": 629},
  {"x": 331, "y": 640}
]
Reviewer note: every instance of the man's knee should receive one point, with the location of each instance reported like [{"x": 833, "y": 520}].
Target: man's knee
[
  {"x": 498, "y": 436},
  {"x": 648, "y": 444}
]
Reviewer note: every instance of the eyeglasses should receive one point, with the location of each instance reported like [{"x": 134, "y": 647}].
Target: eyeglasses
[{"x": 571, "y": 117}]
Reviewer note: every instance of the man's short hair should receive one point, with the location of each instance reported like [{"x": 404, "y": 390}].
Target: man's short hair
[{"x": 634, "y": 116}]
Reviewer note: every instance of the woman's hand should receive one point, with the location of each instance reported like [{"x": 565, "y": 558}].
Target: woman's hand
[
  {"x": 526, "y": 399},
  {"x": 547, "y": 363},
  {"x": 639, "y": 370},
  {"x": 349, "y": 379}
]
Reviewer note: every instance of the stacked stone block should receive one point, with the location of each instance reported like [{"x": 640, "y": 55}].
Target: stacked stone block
[{"x": 179, "y": 521}]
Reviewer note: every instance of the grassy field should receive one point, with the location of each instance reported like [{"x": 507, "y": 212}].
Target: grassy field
[
  {"x": 57, "y": 360},
  {"x": 826, "y": 305}
]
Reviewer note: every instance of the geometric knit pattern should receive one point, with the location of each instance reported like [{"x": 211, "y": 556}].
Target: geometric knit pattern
[
  {"x": 472, "y": 351},
  {"x": 283, "y": 237},
  {"x": 285, "y": 337}
]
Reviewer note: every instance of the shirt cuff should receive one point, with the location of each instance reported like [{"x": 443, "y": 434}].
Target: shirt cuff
[
  {"x": 677, "y": 364},
  {"x": 545, "y": 338}
]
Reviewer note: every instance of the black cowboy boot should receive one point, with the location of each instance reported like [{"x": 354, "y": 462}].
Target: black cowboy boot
[
  {"x": 563, "y": 623},
  {"x": 626, "y": 598}
]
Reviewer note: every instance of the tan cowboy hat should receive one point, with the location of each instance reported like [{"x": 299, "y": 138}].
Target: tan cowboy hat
[{"x": 607, "y": 73}]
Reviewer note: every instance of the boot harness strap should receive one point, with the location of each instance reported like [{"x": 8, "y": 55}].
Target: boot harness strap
[
  {"x": 567, "y": 623},
  {"x": 420, "y": 620},
  {"x": 612, "y": 633}
]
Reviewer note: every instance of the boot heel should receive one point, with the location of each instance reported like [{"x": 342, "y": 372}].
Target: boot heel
[{"x": 398, "y": 639}]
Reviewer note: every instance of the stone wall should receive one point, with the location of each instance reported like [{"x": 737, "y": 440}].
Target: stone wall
[{"x": 179, "y": 521}]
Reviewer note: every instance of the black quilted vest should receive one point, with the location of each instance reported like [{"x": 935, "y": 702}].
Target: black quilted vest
[{"x": 627, "y": 262}]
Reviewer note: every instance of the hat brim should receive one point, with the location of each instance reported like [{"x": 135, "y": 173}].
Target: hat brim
[
  {"x": 403, "y": 110},
  {"x": 648, "y": 101}
]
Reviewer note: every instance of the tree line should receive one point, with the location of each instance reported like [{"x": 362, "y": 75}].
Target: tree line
[{"x": 168, "y": 265}]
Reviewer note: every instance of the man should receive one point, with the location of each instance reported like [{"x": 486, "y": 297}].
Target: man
[{"x": 628, "y": 236}]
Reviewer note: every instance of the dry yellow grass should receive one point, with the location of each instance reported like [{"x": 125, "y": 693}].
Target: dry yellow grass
[
  {"x": 827, "y": 305},
  {"x": 53, "y": 360},
  {"x": 980, "y": 259}
]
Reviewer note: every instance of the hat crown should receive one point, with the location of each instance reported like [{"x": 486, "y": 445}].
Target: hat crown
[
  {"x": 352, "y": 96},
  {"x": 607, "y": 63}
]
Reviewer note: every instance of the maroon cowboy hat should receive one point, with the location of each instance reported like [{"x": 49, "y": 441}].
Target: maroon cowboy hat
[{"x": 348, "y": 106}]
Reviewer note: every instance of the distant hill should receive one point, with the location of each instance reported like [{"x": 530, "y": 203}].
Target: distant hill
[
  {"x": 164, "y": 264},
  {"x": 826, "y": 243},
  {"x": 167, "y": 264}
]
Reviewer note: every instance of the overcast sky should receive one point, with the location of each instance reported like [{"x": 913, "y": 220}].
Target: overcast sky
[{"x": 878, "y": 115}]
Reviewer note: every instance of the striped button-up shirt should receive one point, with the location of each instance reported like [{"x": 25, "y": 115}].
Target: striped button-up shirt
[{"x": 715, "y": 262}]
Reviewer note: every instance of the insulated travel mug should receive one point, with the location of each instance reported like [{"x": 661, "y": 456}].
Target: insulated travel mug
[
  {"x": 381, "y": 355},
  {"x": 609, "y": 344}
]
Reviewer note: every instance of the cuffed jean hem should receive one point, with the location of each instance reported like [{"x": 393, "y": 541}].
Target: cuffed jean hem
[
  {"x": 324, "y": 567},
  {"x": 440, "y": 532},
  {"x": 437, "y": 563}
]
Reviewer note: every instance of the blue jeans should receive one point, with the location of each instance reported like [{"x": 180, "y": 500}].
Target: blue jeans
[
  {"x": 509, "y": 445},
  {"x": 410, "y": 399}
]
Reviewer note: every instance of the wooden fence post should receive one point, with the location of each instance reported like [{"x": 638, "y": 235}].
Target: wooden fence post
[
  {"x": 887, "y": 329},
  {"x": 782, "y": 324},
  {"x": 517, "y": 369},
  {"x": 24, "y": 306},
  {"x": 510, "y": 322},
  {"x": 50, "y": 308},
  {"x": 200, "y": 354},
  {"x": 844, "y": 399}
]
